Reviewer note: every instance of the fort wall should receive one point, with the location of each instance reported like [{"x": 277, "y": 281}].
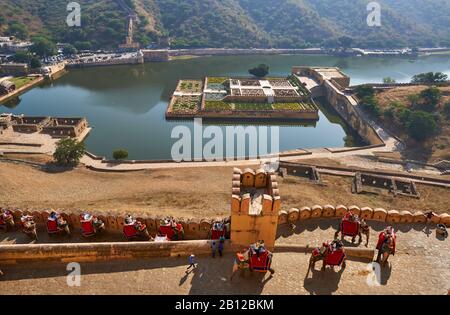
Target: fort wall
[
  {"x": 333, "y": 84},
  {"x": 351, "y": 113}
]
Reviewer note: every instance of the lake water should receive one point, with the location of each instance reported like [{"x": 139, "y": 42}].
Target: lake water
[{"x": 125, "y": 105}]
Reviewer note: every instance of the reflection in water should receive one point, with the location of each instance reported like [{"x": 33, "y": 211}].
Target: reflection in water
[
  {"x": 12, "y": 102},
  {"x": 126, "y": 104}
]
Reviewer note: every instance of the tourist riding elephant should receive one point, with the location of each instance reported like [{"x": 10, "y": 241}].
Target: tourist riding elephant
[
  {"x": 353, "y": 226},
  {"x": 256, "y": 258},
  {"x": 331, "y": 253},
  {"x": 6, "y": 220},
  {"x": 386, "y": 245}
]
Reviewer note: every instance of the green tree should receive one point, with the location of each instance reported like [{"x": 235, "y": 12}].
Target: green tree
[
  {"x": 18, "y": 30},
  {"x": 429, "y": 99},
  {"x": 35, "y": 63},
  {"x": 345, "y": 41},
  {"x": 429, "y": 77},
  {"x": 22, "y": 56},
  {"x": 389, "y": 80},
  {"x": 370, "y": 103},
  {"x": 421, "y": 125},
  {"x": 364, "y": 91},
  {"x": 69, "y": 151},
  {"x": 260, "y": 71},
  {"x": 414, "y": 99},
  {"x": 389, "y": 113},
  {"x": 43, "y": 47},
  {"x": 83, "y": 45},
  {"x": 69, "y": 50},
  {"x": 120, "y": 154}
]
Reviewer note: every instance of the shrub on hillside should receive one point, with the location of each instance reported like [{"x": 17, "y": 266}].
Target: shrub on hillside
[
  {"x": 364, "y": 91},
  {"x": 447, "y": 110},
  {"x": 429, "y": 99},
  {"x": 370, "y": 103},
  {"x": 421, "y": 125}
]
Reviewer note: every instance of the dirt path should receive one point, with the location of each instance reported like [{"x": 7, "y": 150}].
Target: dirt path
[{"x": 198, "y": 192}]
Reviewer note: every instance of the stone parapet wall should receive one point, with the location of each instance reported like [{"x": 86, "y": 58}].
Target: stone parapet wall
[
  {"x": 194, "y": 229},
  {"x": 368, "y": 213},
  {"x": 198, "y": 229}
]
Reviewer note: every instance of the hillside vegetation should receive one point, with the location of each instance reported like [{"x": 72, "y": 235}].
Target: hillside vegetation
[
  {"x": 234, "y": 23},
  {"x": 420, "y": 116}
]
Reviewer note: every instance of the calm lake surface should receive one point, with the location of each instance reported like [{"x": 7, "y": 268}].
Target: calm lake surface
[{"x": 125, "y": 105}]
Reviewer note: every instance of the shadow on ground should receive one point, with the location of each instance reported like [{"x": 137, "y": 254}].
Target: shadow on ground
[{"x": 212, "y": 276}]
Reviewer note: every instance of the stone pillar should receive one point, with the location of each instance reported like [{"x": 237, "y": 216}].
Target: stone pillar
[
  {"x": 267, "y": 203},
  {"x": 235, "y": 204},
  {"x": 245, "y": 203}
]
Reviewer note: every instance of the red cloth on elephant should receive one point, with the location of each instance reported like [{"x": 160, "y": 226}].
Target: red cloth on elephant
[
  {"x": 382, "y": 238},
  {"x": 52, "y": 226},
  {"x": 349, "y": 228},
  {"x": 167, "y": 230},
  {"x": 217, "y": 232},
  {"x": 261, "y": 263},
  {"x": 87, "y": 228},
  {"x": 335, "y": 258},
  {"x": 129, "y": 231}
]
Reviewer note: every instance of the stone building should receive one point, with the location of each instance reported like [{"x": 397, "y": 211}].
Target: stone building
[
  {"x": 25, "y": 124},
  {"x": 156, "y": 55},
  {"x": 14, "y": 69},
  {"x": 7, "y": 87},
  {"x": 65, "y": 127},
  {"x": 321, "y": 74}
]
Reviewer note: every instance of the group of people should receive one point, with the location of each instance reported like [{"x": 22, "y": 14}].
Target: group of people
[
  {"x": 258, "y": 247},
  {"x": 330, "y": 247},
  {"x": 217, "y": 245}
]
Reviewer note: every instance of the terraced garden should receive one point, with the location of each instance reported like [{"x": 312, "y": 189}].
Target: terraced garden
[
  {"x": 286, "y": 106},
  {"x": 186, "y": 104},
  {"x": 218, "y": 106},
  {"x": 214, "y": 96},
  {"x": 218, "y": 80},
  {"x": 301, "y": 89},
  {"x": 253, "y": 106},
  {"x": 190, "y": 86},
  {"x": 249, "y": 99},
  {"x": 294, "y": 106}
]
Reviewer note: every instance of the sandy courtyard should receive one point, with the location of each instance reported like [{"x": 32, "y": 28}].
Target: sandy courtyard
[
  {"x": 199, "y": 192},
  {"x": 420, "y": 266}
]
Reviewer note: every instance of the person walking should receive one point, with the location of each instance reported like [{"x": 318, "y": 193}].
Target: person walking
[
  {"x": 192, "y": 263},
  {"x": 213, "y": 249},
  {"x": 429, "y": 216},
  {"x": 221, "y": 243}
]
